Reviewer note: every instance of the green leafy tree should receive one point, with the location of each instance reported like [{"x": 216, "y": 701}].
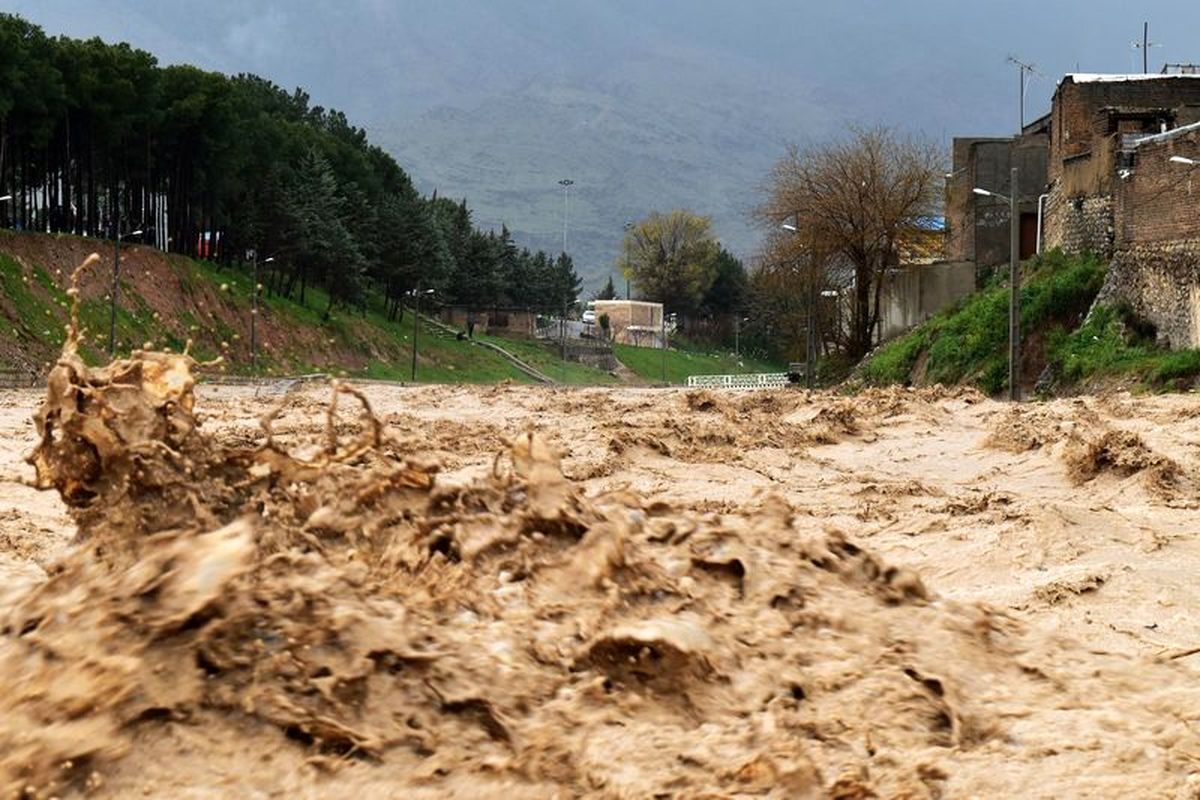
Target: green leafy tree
[
  {"x": 671, "y": 258},
  {"x": 727, "y": 294}
]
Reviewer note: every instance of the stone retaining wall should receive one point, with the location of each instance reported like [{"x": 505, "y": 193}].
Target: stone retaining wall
[
  {"x": 1080, "y": 224},
  {"x": 1161, "y": 283}
]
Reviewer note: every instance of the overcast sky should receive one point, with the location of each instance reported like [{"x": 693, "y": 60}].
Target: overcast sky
[
  {"x": 495, "y": 99},
  {"x": 881, "y": 59}
]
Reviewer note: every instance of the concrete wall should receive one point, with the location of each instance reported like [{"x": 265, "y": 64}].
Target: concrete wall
[
  {"x": 914, "y": 294},
  {"x": 517, "y": 321},
  {"x": 978, "y": 227},
  {"x": 633, "y": 321}
]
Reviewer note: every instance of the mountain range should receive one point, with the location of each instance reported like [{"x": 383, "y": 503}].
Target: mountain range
[{"x": 645, "y": 104}]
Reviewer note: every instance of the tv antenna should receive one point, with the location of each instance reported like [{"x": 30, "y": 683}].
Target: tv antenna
[{"x": 1023, "y": 69}]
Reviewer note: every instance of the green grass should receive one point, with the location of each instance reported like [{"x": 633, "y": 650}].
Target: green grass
[
  {"x": 440, "y": 359},
  {"x": 969, "y": 343},
  {"x": 648, "y": 363},
  {"x": 546, "y": 359},
  {"x": 1108, "y": 344},
  {"x": 214, "y": 308}
]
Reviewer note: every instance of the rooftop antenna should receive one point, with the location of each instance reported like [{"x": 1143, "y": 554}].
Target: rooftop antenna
[
  {"x": 1145, "y": 46},
  {"x": 1023, "y": 70}
]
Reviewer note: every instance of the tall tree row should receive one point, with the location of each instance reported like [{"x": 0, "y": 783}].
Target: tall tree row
[{"x": 99, "y": 140}]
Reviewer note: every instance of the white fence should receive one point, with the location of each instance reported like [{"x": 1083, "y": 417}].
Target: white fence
[{"x": 768, "y": 380}]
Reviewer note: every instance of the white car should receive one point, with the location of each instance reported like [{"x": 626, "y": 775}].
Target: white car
[{"x": 589, "y": 317}]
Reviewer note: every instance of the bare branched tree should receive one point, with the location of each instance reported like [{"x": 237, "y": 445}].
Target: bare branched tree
[{"x": 852, "y": 202}]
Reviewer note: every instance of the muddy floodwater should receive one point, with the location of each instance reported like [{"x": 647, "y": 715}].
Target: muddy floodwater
[{"x": 618, "y": 593}]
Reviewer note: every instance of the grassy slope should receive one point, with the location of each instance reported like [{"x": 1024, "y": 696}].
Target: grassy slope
[
  {"x": 1108, "y": 345},
  {"x": 167, "y": 300},
  {"x": 681, "y": 363},
  {"x": 545, "y": 360},
  {"x": 968, "y": 344}
]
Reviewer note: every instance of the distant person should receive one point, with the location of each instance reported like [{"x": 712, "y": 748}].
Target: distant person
[{"x": 470, "y": 324}]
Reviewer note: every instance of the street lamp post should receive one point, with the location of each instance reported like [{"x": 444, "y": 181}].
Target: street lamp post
[
  {"x": 664, "y": 344},
  {"x": 1014, "y": 279},
  {"x": 116, "y": 283},
  {"x": 254, "y": 314},
  {"x": 416, "y": 319},
  {"x": 566, "y": 183},
  {"x": 810, "y": 340}
]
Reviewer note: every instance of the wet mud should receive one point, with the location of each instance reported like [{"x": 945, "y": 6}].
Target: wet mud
[{"x": 381, "y": 604}]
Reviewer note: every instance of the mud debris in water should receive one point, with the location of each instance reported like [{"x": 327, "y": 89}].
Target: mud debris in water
[{"x": 393, "y": 630}]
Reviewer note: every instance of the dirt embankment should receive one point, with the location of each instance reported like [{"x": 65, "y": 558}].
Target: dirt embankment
[
  {"x": 450, "y": 591},
  {"x": 167, "y": 301}
]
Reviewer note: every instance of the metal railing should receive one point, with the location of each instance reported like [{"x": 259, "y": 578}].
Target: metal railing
[{"x": 761, "y": 380}]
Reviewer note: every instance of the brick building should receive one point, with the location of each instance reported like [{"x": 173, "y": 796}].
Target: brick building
[
  {"x": 1156, "y": 259},
  {"x": 978, "y": 227},
  {"x": 1093, "y": 119}
]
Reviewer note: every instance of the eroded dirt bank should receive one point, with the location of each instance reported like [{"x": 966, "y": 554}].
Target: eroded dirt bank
[{"x": 610, "y": 593}]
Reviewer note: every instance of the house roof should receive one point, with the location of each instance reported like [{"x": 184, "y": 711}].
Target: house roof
[{"x": 1087, "y": 77}]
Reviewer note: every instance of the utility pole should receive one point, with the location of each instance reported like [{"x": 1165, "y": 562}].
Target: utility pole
[
  {"x": 1145, "y": 46},
  {"x": 1014, "y": 300},
  {"x": 566, "y": 183}
]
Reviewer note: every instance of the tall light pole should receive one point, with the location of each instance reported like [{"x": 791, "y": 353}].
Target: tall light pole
[
  {"x": 664, "y": 344},
  {"x": 416, "y": 319},
  {"x": 254, "y": 314},
  {"x": 810, "y": 338},
  {"x": 116, "y": 283},
  {"x": 1014, "y": 279},
  {"x": 566, "y": 183}
]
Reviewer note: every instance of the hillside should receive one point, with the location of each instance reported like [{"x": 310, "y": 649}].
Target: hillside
[
  {"x": 168, "y": 300},
  {"x": 1070, "y": 343}
]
